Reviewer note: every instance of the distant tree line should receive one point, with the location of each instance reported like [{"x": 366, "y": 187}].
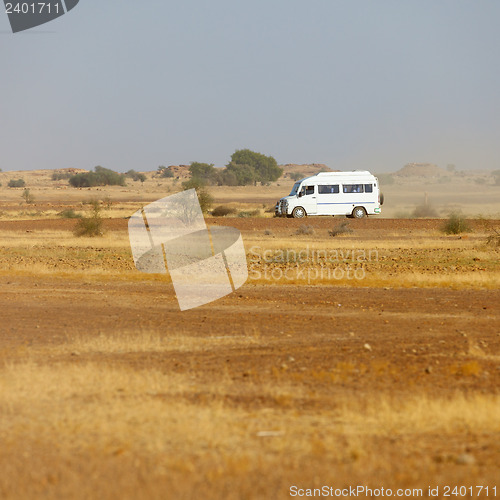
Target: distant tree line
[{"x": 246, "y": 167}]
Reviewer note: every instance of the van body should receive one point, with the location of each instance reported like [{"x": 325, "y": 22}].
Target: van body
[{"x": 354, "y": 194}]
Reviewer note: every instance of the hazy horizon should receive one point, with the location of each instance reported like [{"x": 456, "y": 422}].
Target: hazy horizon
[{"x": 359, "y": 85}]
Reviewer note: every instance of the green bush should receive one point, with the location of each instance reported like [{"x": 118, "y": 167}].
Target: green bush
[
  {"x": 455, "y": 224},
  {"x": 19, "y": 183},
  {"x": 295, "y": 176},
  {"x": 100, "y": 177},
  {"x": 222, "y": 211},
  {"x": 90, "y": 226}
]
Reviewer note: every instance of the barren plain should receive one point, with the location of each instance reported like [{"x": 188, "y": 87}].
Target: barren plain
[{"x": 371, "y": 358}]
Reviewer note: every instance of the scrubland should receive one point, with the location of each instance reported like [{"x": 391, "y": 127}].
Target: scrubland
[{"x": 385, "y": 378}]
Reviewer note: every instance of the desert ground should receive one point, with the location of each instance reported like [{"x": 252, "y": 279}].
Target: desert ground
[{"x": 366, "y": 359}]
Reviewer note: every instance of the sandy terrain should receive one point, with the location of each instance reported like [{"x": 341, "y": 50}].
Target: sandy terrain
[{"x": 107, "y": 390}]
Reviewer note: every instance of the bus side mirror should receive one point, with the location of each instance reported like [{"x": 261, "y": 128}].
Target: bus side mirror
[{"x": 300, "y": 194}]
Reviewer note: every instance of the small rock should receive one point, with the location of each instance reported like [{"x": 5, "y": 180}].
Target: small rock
[
  {"x": 428, "y": 369},
  {"x": 368, "y": 347},
  {"x": 465, "y": 459},
  {"x": 291, "y": 359},
  {"x": 75, "y": 353}
]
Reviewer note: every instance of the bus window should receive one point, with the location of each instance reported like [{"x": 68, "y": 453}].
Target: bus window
[
  {"x": 332, "y": 188},
  {"x": 295, "y": 188},
  {"x": 307, "y": 190},
  {"x": 353, "y": 188},
  {"x": 368, "y": 188}
]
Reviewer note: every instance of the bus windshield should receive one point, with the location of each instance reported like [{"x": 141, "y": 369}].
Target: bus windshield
[{"x": 295, "y": 188}]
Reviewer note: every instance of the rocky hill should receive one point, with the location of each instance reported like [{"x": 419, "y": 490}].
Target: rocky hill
[
  {"x": 295, "y": 171},
  {"x": 420, "y": 170}
]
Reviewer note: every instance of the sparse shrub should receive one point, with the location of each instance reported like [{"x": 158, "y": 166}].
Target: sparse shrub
[
  {"x": 69, "y": 213},
  {"x": 295, "y": 176},
  {"x": 455, "y": 224},
  {"x": 494, "y": 238},
  {"x": 59, "y": 176},
  {"x": 342, "y": 228},
  {"x": 16, "y": 183},
  {"x": 222, "y": 211},
  {"x": 27, "y": 196},
  {"x": 251, "y": 213},
  {"x": 135, "y": 176},
  {"x": 108, "y": 203},
  {"x": 164, "y": 172},
  {"x": 424, "y": 210},
  {"x": 305, "y": 229},
  {"x": 268, "y": 232},
  {"x": 90, "y": 226}
]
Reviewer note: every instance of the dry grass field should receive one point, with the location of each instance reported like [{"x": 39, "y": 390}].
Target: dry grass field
[{"x": 371, "y": 358}]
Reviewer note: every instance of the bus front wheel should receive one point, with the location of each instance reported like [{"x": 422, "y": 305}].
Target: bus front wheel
[{"x": 298, "y": 213}]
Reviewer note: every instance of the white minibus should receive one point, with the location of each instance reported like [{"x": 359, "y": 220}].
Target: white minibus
[{"x": 354, "y": 194}]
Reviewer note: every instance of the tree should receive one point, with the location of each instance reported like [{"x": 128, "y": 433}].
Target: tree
[
  {"x": 265, "y": 167},
  {"x": 206, "y": 172},
  {"x": 135, "y": 176},
  {"x": 240, "y": 173},
  {"x": 204, "y": 197},
  {"x": 27, "y": 196}
]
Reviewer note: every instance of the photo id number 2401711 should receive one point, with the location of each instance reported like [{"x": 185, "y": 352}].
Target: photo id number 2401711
[{"x": 32, "y": 8}]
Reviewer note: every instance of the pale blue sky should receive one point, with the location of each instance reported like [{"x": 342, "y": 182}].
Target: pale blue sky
[{"x": 363, "y": 84}]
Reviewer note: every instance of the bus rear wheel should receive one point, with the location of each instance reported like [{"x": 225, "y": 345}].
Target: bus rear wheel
[{"x": 359, "y": 213}]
